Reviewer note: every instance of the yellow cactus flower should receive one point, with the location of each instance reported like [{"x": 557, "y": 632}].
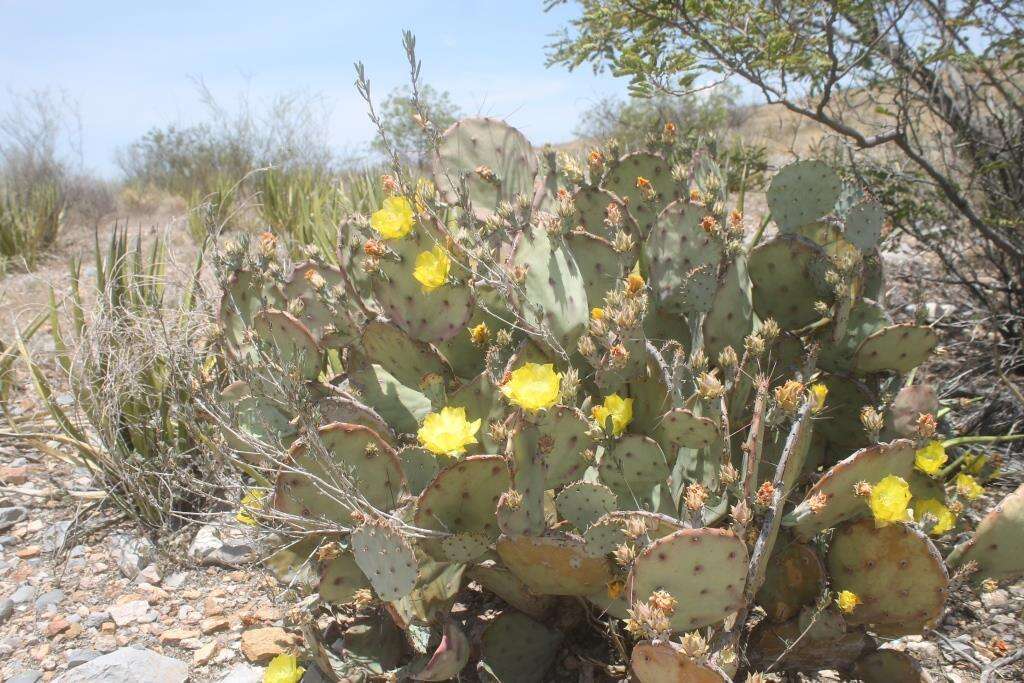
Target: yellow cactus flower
[
  {"x": 930, "y": 458},
  {"x": 533, "y": 386},
  {"x": 394, "y": 219},
  {"x": 967, "y": 486},
  {"x": 888, "y": 500},
  {"x": 597, "y": 313},
  {"x": 619, "y": 409},
  {"x": 283, "y": 669},
  {"x": 847, "y": 601},
  {"x": 818, "y": 392},
  {"x": 944, "y": 517},
  {"x": 448, "y": 432},
  {"x": 431, "y": 269},
  {"x": 252, "y": 498},
  {"x": 634, "y": 283}
]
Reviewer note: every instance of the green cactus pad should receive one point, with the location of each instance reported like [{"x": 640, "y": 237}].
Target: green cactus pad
[
  {"x": 553, "y": 291},
  {"x": 608, "y": 533},
  {"x": 841, "y": 502},
  {"x": 464, "y": 547},
  {"x": 516, "y": 649},
  {"x": 244, "y": 296},
  {"x": 650, "y": 401},
  {"x": 482, "y": 401},
  {"x": 402, "y": 407},
  {"x": 563, "y": 435},
  {"x": 462, "y": 498},
  {"x": 910, "y": 403},
  {"x": 591, "y": 206},
  {"x": 704, "y": 569},
  {"x": 900, "y": 348},
  {"x": 674, "y": 249},
  {"x": 406, "y": 359},
  {"x": 801, "y": 193},
  {"x": 895, "y": 571},
  {"x": 315, "y": 314},
  {"x": 795, "y": 578},
  {"x": 787, "y": 274},
  {"x": 353, "y": 452},
  {"x": 257, "y": 416},
  {"x": 503, "y": 583},
  {"x": 289, "y": 341},
  {"x": 731, "y": 316},
  {"x": 471, "y": 143},
  {"x": 665, "y": 662},
  {"x": 386, "y": 558},
  {"x": 864, "y": 225},
  {"x": 601, "y": 267},
  {"x": 420, "y": 467},
  {"x": 582, "y": 503},
  {"x": 998, "y": 543},
  {"x": 343, "y": 407},
  {"x": 804, "y": 645},
  {"x": 621, "y": 177},
  {"x": 866, "y": 318},
  {"x": 340, "y": 578},
  {"x": 428, "y": 316},
  {"x": 889, "y": 666},
  {"x": 681, "y": 427},
  {"x": 839, "y": 422},
  {"x": 633, "y": 466},
  {"x": 555, "y": 564},
  {"x": 465, "y": 357}
]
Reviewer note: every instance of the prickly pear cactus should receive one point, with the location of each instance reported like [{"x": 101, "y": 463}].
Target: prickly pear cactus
[{"x": 594, "y": 403}]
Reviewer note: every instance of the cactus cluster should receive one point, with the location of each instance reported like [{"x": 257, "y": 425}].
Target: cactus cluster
[{"x": 577, "y": 400}]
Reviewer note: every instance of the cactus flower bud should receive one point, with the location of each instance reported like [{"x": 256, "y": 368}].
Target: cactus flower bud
[
  {"x": 727, "y": 358},
  {"x": 695, "y": 496},
  {"x": 694, "y": 645},
  {"x": 664, "y": 601},
  {"x": 728, "y": 474},
  {"x": 709, "y": 387},
  {"x": 634, "y": 284},
  {"x": 741, "y": 513},
  {"x": 789, "y": 396},
  {"x": 872, "y": 421},
  {"x": 586, "y": 346},
  {"x": 926, "y": 425},
  {"x": 647, "y": 190},
  {"x": 479, "y": 334},
  {"x": 765, "y": 494}
]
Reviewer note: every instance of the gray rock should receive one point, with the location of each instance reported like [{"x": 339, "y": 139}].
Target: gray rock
[
  {"x": 997, "y": 599},
  {"x": 9, "y": 516},
  {"x": 924, "y": 651},
  {"x": 97, "y": 618},
  {"x": 133, "y": 554},
  {"x": 222, "y": 546},
  {"x": 53, "y": 598},
  {"x": 128, "y": 665},
  {"x": 23, "y": 594},
  {"x": 54, "y": 537},
  {"x": 26, "y": 677},
  {"x": 243, "y": 673},
  {"x": 78, "y": 657},
  {"x": 175, "y": 580},
  {"x": 6, "y": 610}
]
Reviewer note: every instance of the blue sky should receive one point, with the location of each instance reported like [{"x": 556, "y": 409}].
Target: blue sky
[{"x": 129, "y": 65}]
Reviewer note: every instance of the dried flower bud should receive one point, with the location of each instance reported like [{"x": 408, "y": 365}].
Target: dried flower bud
[
  {"x": 595, "y": 162},
  {"x": 485, "y": 173},
  {"x": 618, "y": 356},
  {"x": 635, "y": 527},
  {"x": 770, "y": 330},
  {"x": 872, "y": 421},
  {"x": 741, "y": 513},
  {"x": 624, "y": 555},
  {"x": 586, "y": 346},
  {"x": 818, "y": 502},
  {"x": 728, "y": 474},
  {"x": 497, "y": 431},
  {"x": 505, "y": 210},
  {"x": 634, "y": 284},
  {"x": 479, "y": 334},
  {"x": 695, "y": 496},
  {"x": 754, "y": 345},
  {"x": 789, "y": 396},
  {"x": 709, "y": 387},
  {"x": 709, "y": 224},
  {"x": 511, "y": 499},
  {"x": 727, "y": 358},
  {"x": 623, "y": 242},
  {"x": 664, "y": 601},
  {"x": 821, "y": 308},
  {"x": 765, "y": 494},
  {"x": 694, "y": 645},
  {"x": 862, "y": 489},
  {"x": 926, "y": 425}
]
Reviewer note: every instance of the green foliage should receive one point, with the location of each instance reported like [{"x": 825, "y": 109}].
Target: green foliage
[
  {"x": 662, "y": 510},
  {"x": 29, "y": 222},
  {"x": 405, "y": 136}
]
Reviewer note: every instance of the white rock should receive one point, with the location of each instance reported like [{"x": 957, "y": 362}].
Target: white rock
[
  {"x": 243, "y": 673},
  {"x": 128, "y": 665},
  {"x": 129, "y": 612}
]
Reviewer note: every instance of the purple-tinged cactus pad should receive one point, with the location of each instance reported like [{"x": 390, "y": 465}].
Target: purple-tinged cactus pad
[
  {"x": 555, "y": 564},
  {"x": 665, "y": 662},
  {"x": 998, "y": 543},
  {"x": 340, "y": 578}
]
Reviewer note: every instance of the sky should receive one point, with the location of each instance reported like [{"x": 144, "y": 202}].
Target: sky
[{"x": 132, "y": 66}]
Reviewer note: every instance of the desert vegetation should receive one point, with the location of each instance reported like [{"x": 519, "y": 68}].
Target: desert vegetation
[{"x": 670, "y": 401}]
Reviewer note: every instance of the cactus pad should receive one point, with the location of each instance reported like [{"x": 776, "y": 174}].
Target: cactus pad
[
  {"x": 503, "y": 583},
  {"x": 289, "y": 341},
  {"x": 470, "y": 144},
  {"x": 403, "y": 407},
  {"x": 839, "y": 422},
  {"x": 342, "y": 407},
  {"x": 866, "y": 318},
  {"x": 676, "y": 246},
  {"x": 601, "y": 267},
  {"x": 464, "y": 547},
  {"x": 998, "y": 543},
  {"x": 555, "y": 564},
  {"x": 806, "y": 644},
  {"x": 895, "y": 571},
  {"x": 787, "y": 273},
  {"x": 864, "y": 225},
  {"x": 801, "y": 193},
  {"x": 909, "y": 404},
  {"x": 840, "y": 502},
  {"x": 900, "y": 348},
  {"x": 730, "y": 317},
  {"x": 889, "y": 666},
  {"x": 516, "y": 649},
  {"x": 621, "y": 178},
  {"x": 482, "y": 401},
  {"x": 255, "y": 415},
  {"x": 795, "y": 578},
  {"x": 608, "y": 532},
  {"x": 554, "y": 293},
  {"x": 704, "y": 569},
  {"x": 664, "y": 662},
  {"x": 420, "y": 467},
  {"x": 428, "y": 316},
  {"x": 462, "y": 498},
  {"x": 563, "y": 435},
  {"x": 591, "y": 206},
  {"x": 406, "y": 359},
  {"x": 681, "y": 427},
  {"x": 314, "y": 313},
  {"x": 583, "y": 503},
  {"x": 633, "y": 466},
  {"x": 352, "y": 458},
  {"x": 386, "y": 558},
  {"x": 244, "y": 296},
  {"x": 340, "y": 578}
]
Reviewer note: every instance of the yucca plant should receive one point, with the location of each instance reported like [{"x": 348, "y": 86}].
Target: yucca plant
[{"x": 30, "y": 221}]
